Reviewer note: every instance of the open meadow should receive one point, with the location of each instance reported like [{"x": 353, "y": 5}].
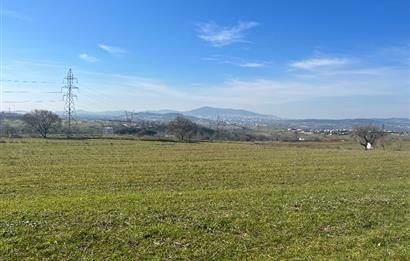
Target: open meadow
[{"x": 107, "y": 198}]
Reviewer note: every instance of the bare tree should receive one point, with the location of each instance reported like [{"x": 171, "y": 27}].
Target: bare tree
[
  {"x": 42, "y": 121},
  {"x": 183, "y": 128},
  {"x": 367, "y": 135}
]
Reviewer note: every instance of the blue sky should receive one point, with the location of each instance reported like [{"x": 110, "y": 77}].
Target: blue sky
[{"x": 296, "y": 59}]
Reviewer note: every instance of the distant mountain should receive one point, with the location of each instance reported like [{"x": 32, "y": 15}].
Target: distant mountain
[
  {"x": 208, "y": 116},
  {"x": 123, "y": 115},
  {"x": 152, "y": 116},
  {"x": 212, "y": 113},
  {"x": 200, "y": 114},
  {"x": 103, "y": 115},
  {"x": 164, "y": 111}
]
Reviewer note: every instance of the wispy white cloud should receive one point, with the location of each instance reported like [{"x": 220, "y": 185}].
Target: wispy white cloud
[
  {"x": 251, "y": 93},
  {"x": 88, "y": 58},
  {"x": 112, "y": 49},
  {"x": 264, "y": 93},
  {"x": 16, "y": 15},
  {"x": 314, "y": 63},
  {"x": 252, "y": 65},
  {"x": 219, "y": 36},
  {"x": 236, "y": 61}
]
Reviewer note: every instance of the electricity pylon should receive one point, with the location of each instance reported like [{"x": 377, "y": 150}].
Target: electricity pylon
[{"x": 69, "y": 98}]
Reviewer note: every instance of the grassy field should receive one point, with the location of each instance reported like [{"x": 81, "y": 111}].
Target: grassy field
[{"x": 113, "y": 199}]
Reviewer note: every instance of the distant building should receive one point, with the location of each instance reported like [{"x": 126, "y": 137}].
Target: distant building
[
  {"x": 369, "y": 146},
  {"x": 108, "y": 131}
]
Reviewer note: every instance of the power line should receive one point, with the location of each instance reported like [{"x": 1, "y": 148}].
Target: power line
[
  {"x": 27, "y": 81},
  {"x": 69, "y": 97},
  {"x": 1, "y": 55}
]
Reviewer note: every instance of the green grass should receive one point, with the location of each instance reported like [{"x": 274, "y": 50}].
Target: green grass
[{"x": 117, "y": 199}]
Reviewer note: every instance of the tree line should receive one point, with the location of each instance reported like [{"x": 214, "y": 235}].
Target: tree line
[{"x": 45, "y": 122}]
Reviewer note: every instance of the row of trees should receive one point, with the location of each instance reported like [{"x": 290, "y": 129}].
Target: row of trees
[
  {"x": 44, "y": 122},
  {"x": 183, "y": 129}
]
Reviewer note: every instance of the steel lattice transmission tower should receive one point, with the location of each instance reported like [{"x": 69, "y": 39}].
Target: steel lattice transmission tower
[{"x": 69, "y": 97}]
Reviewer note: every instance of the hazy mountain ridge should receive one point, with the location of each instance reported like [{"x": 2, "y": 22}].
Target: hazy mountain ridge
[
  {"x": 208, "y": 115},
  {"x": 221, "y": 113}
]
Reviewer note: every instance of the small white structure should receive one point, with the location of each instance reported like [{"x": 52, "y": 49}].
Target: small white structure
[
  {"x": 369, "y": 146},
  {"x": 108, "y": 131}
]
